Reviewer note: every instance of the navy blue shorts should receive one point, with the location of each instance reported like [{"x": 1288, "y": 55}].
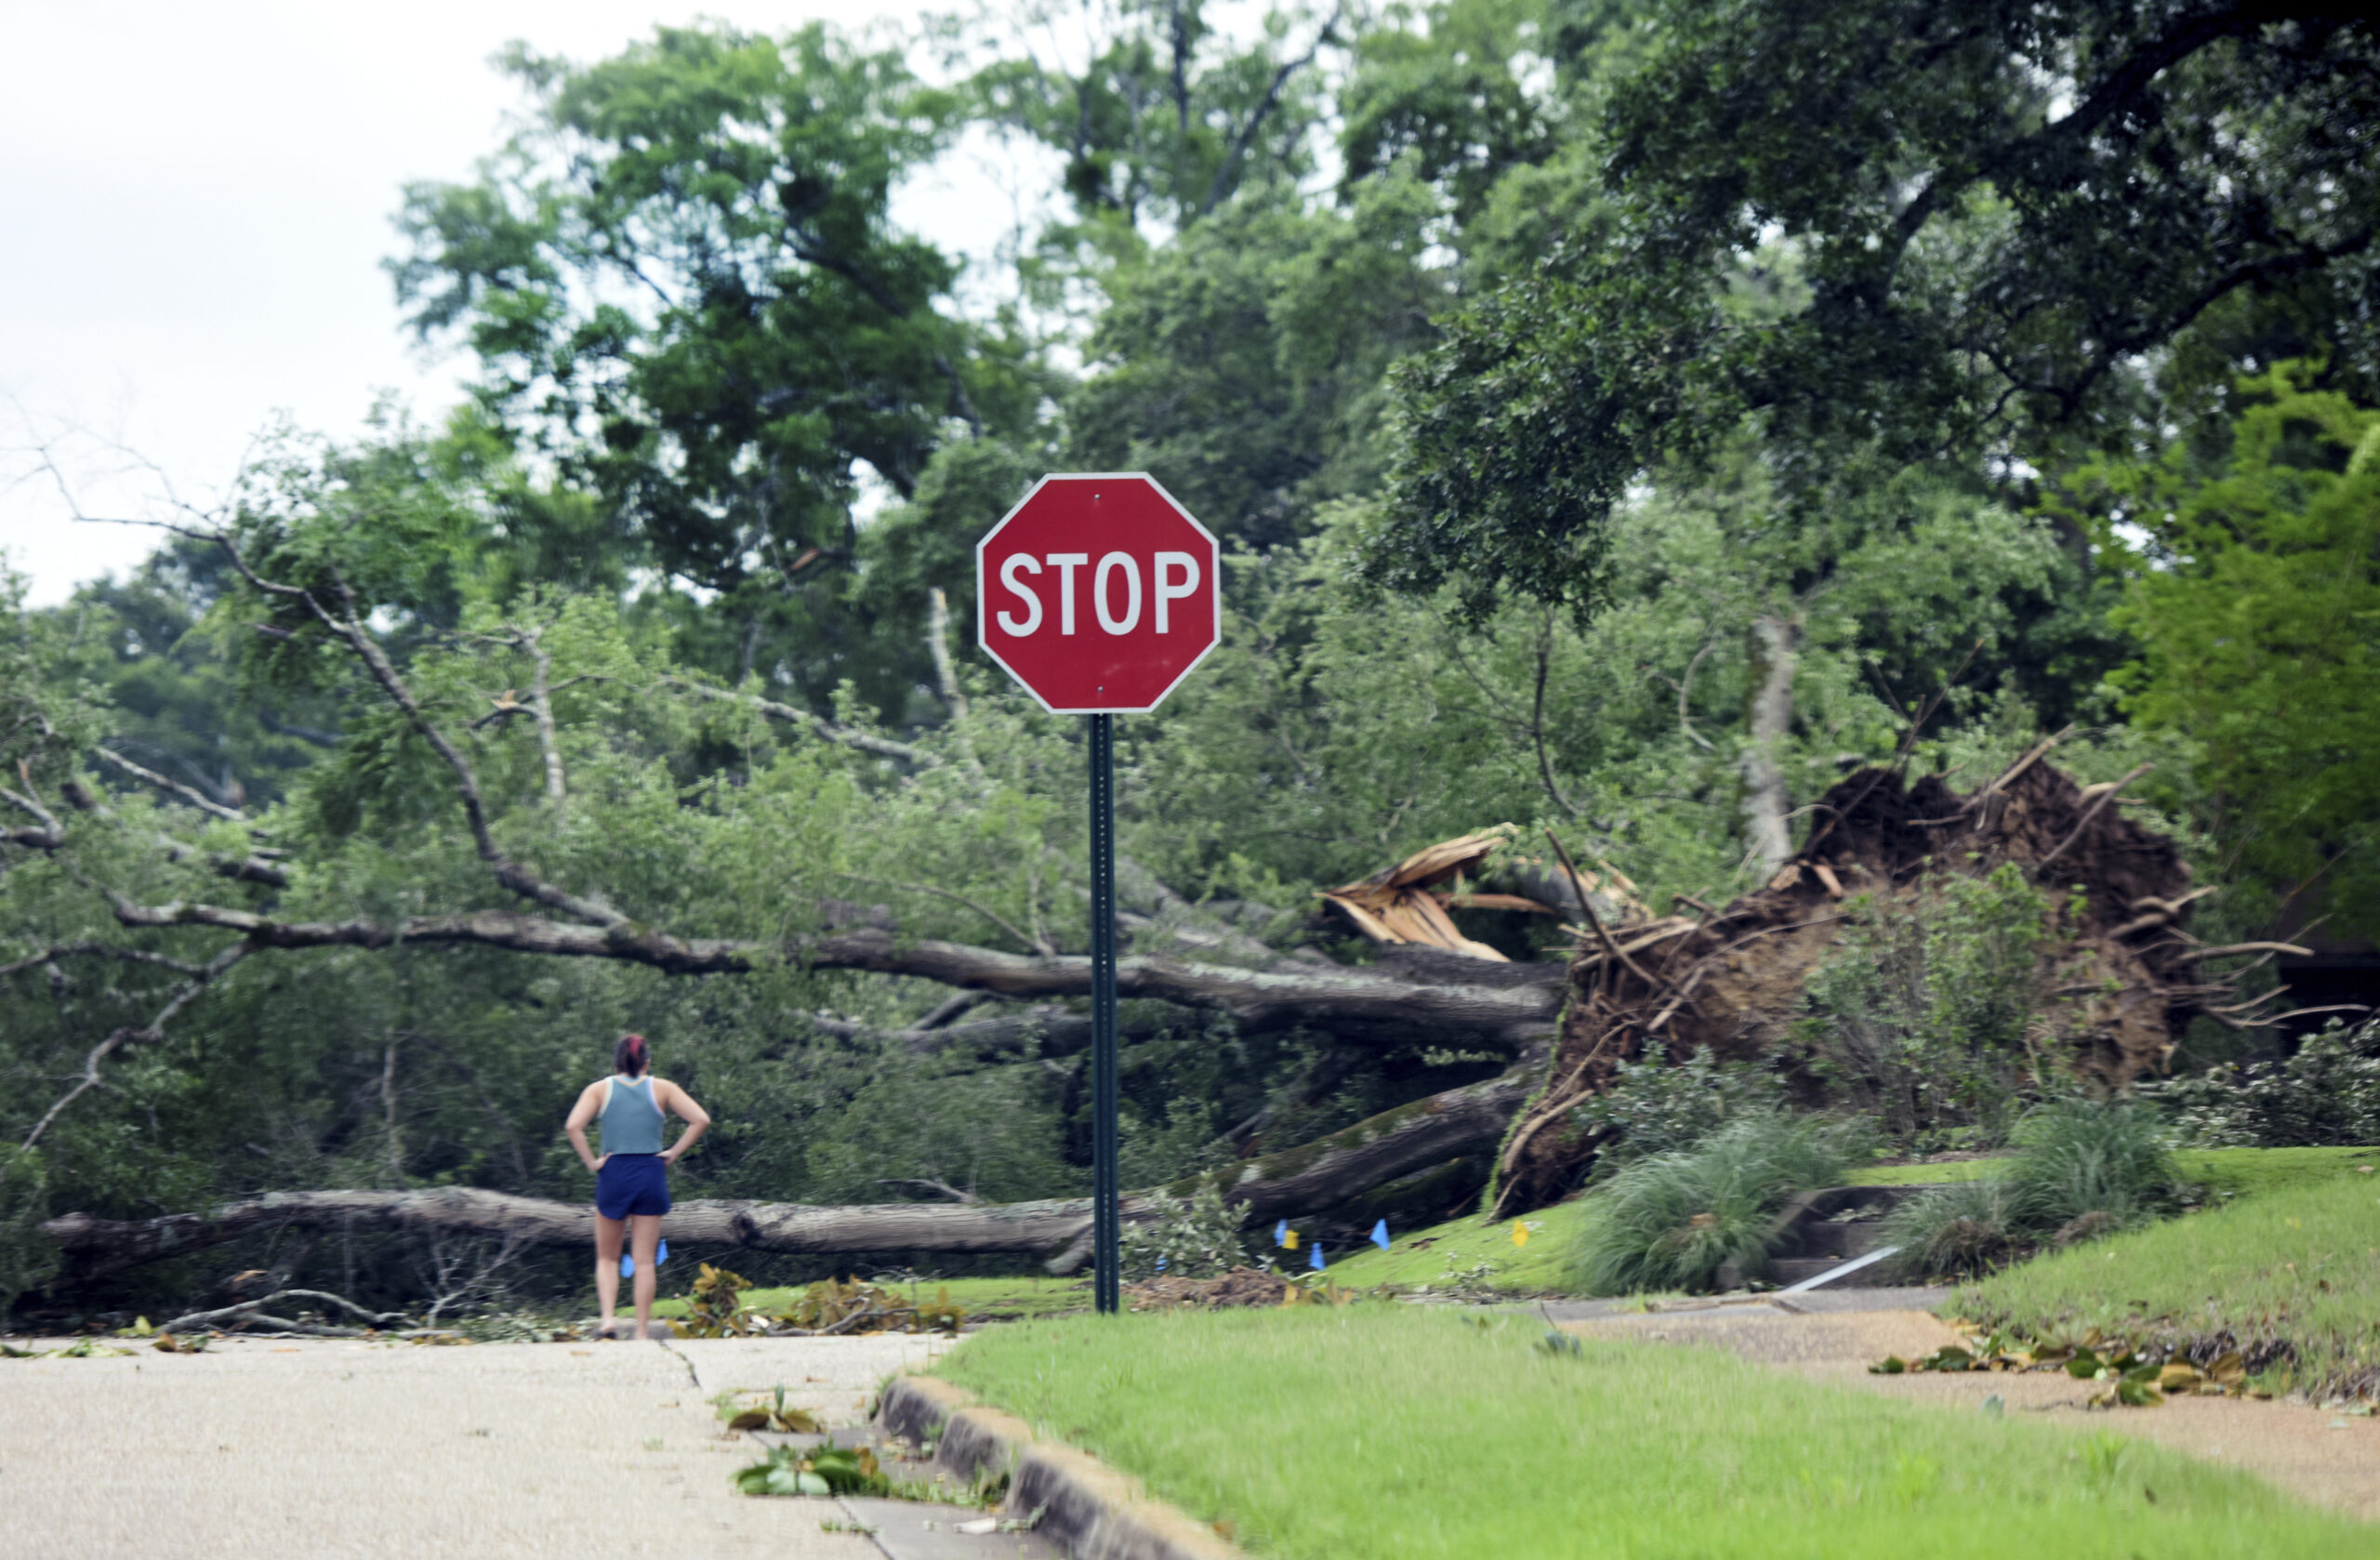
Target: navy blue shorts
[{"x": 632, "y": 1184}]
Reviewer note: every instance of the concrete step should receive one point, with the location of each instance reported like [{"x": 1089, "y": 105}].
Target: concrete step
[
  {"x": 1792, "y": 1270},
  {"x": 1840, "y": 1242}
]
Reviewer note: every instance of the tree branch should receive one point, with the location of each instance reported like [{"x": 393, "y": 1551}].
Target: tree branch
[
  {"x": 1537, "y": 717},
  {"x": 190, "y": 794},
  {"x": 884, "y": 748},
  {"x": 541, "y": 692},
  {"x": 1382, "y": 1006},
  {"x": 346, "y": 627},
  {"x": 1227, "y": 173},
  {"x": 153, "y": 1030},
  {"x": 200, "y": 1320},
  {"x": 100, "y": 950},
  {"x": 1037, "y": 944}
]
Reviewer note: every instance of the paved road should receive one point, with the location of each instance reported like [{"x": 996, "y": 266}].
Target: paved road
[{"x": 329, "y": 1448}]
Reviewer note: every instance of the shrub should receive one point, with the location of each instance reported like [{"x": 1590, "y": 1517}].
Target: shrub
[
  {"x": 1198, "y": 1237},
  {"x": 2080, "y": 1171},
  {"x": 1963, "y": 1228},
  {"x": 1655, "y": 1108},
  {"x": 2328, "y": 1093},
  {"x": 1671, "y": 1219},
  {"x": 1921, "y": 1015},
  {"x": 2076, "y": 1157}
]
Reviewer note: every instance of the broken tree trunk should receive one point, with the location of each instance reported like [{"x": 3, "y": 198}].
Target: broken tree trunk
[{"x": 1295, "y": 1181}]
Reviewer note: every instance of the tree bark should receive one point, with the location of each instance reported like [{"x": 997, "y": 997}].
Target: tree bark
[
  {"x": 1299, "y": 1181},
  {"x": 1775, "y": 651}
]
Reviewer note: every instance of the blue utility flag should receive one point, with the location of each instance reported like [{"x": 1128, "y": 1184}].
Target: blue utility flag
[
  {"x": 1380, "y": 1234},
  {"x": 1316, "y": 1261},
  {"x": 628, "y": 1262},
  {"x": 1281, "y": 1233}
]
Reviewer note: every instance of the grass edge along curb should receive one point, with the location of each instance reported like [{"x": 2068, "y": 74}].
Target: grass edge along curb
[
  {"x": 1432, "y": 1434},
  {"x": 1092, "y": 1510},
  {"x": 2290, "y": 1276}
]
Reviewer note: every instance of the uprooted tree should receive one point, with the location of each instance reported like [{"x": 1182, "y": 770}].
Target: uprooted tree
[{"x": 2109, "y": 973}]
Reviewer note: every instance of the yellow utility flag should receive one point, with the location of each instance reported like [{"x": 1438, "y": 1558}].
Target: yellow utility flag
[
  {"x": 1520, "y": 1233},
  {"x": 1290, "y": 1241}
]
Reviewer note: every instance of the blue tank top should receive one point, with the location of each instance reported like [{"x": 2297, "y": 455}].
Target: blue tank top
[{"x": 631, "y": 1118}]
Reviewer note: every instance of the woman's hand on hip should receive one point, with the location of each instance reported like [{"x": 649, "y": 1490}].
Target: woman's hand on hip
[{"x": 597, "y": 1165}]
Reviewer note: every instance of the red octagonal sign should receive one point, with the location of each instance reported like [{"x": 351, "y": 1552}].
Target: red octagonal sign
[{"x": 1098, "y": 592}]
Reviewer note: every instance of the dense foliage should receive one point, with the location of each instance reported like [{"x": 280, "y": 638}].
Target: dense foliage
[{"x": 2326, "y": 1094}]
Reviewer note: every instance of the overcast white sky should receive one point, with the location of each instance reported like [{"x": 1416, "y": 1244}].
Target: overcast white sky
[{"x": 194, "y": 201}]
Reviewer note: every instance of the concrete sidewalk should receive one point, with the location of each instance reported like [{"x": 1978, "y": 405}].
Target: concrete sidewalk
[{"x": 268, "y": 1448}]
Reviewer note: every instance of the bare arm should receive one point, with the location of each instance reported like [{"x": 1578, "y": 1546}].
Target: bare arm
[
  {"x": 696, "y": 1119},
  {"x": 590, "y": 1100}
]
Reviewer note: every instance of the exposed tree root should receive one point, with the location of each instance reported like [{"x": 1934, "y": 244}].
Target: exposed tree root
[{"x": 2123, "y": 980}]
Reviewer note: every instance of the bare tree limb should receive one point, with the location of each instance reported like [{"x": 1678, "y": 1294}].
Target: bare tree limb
[
  {"x": 1229, "y": 172},
  {"x": 1685, "y": 692},
  {"x": 345, "y": 626},
  {"x": 1037, "y": 944},
  {"x": 100, "y": 950},
  {"x": 1537, "y": 717},
  {"x": 153, "y": 1030},
  {"x": 200, "y": 1320},
  {"x": 541, "y": 690},
  {"x": 190, "y": 794},
  {"x": 257, "y": 867},
  {"x": 2105, "y": 795},
  {"x": 818, "y": 725},
  {"x": 51, "y": 834}
]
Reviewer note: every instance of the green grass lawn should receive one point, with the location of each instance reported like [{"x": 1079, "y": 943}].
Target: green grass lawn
[
  {"x": 1441, "y": 1255},
  {"x": 1922, "y": 1175},
  {"x": 2243, "y": 1171},
  {"x": 1416, "y": 1432},
  {"x": 2296, "y": 1256},
  {"x": 1445, "y": 1255}
]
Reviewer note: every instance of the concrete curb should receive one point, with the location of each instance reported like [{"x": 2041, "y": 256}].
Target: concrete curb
[{"x": 1095, "y": 1512}]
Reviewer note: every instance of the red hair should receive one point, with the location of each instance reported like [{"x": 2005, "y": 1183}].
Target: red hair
[{"x": 631, "y": 1056}]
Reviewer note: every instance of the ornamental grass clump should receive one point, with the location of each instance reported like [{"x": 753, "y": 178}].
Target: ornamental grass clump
[
  {"x": 1672, "y": 1221},
  {"x": 2080, "y": 1171}
]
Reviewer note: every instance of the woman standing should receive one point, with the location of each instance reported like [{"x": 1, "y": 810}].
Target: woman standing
[{"x": 632, "y": 1177}]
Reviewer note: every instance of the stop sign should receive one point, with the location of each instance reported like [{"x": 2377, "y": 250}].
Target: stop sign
[{"x": 1098, "y": 592}]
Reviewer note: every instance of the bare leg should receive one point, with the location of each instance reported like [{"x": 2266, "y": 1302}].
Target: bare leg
[
  {"x": 607, "y": 1269},
  {"x": 644, "y": 1235}
]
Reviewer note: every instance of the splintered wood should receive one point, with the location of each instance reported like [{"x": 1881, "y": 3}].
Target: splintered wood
[{"x": 1406, "y": 903}]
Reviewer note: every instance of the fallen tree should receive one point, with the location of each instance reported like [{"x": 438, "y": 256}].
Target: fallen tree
[{"x": 1311, "y": 1178}]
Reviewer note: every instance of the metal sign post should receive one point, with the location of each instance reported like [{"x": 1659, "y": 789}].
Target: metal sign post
[
  {"x": 1099, "y": 593},
  {"x": 1106, "y": 1234}
]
